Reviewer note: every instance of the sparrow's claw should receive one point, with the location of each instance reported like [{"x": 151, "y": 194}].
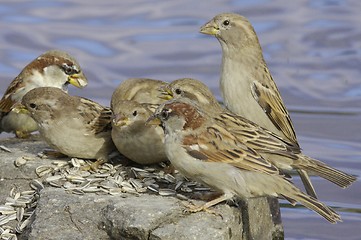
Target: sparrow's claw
[{"x": 93, "y": 166}]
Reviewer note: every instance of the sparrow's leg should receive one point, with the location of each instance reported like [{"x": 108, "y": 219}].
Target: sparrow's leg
[
  {"x": 95, "y": 165},
  {"x": 193, "y": 208}
]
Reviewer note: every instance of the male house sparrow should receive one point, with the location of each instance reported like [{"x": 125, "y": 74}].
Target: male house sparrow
[
  {"x": 205, "y": 151},
  {"x": 143, "y": 144},
  {"x": 279, "y": 151},
  {"x": 246, "y": 83},
  {"x": 142, "y": 90},
  {"x": 52, "y": 69},
  {"x": 75, "y": 126}
]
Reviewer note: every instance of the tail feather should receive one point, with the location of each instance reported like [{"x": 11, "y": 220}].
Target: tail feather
[
  {"x": 312, "y": 203},
  {"x": 321, "y": 169}
]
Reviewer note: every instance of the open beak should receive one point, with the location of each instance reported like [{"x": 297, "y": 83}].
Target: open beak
[
  {"x": 119, "y": 120},
  {"x": 78, "y": 80},
  {"x": 20, "y": 109},
  {"x": 210, "y": 28},
  {"x": 165, "y": 93},
  {"x": 153, "y": 120}
]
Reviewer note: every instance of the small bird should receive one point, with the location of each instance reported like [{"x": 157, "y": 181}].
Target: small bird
[
  {"x": 247, "y": 86},
  {"x": 205, "y": 151},
  {"x": 54, "y": 68},
  {"x": 74, "y": 126},
  {"x": 279, "y": 151},
  {"x": 142, "y": 90},
  {"x": 143, "y": 144}
]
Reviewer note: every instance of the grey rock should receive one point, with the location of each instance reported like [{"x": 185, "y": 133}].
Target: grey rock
[{"x": 60, "y": 215}]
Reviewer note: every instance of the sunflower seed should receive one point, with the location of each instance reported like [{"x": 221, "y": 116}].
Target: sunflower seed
[
  {"x": 186, "y": 189},
  {"x": 36, "y": 185},
  {"x": 20, "y": 214},
  {"x": 53, "y": 178},
  {"x": 20, "y": 161},
  {"x": 2, "y": 147},
  {"x": 44, "y": 170},
  {"x": 170, "y": 178},
  {"x": 167, "y": 192},
  {"x": 181, "y": 197},
  {"x": 115, "y": 191}
]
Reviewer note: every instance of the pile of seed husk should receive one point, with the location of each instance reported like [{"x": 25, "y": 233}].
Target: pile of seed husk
[{"x": 76, "y": 176}]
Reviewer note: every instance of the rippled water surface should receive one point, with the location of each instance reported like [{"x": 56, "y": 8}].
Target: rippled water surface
[{"x": 312, "y": 49}]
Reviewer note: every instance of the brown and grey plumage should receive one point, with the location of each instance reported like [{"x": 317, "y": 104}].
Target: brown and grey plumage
[
  {"x": 52, "y": 69},
  {"x": 141, "y": 143},
  {"x": 75, "y": 126},
  {"x": 280, "y": 151},
  {"x": 206, "y": 151},
  {"x": 246, "y": 83},
  {"x": 142, "y": 90}
]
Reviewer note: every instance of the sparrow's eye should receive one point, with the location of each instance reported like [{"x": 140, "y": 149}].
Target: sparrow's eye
[
  {"x": 164, "y": 114},
  {"x": 69, "y": 70},
  {"x": 135, "y": 113},
  {"x": 226, "y": 22},
  {"x": 178, "y": 91},
  {"x": 32, "y": 105}
]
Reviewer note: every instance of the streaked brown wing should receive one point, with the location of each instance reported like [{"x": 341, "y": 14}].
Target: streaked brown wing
[
  {"x": 256, "y": 137},
  {"x": 227, "y": 150},
  {"x": 96, "y": 117},
  {"x": 270, "y": 101},
  {"x": 6, "y": 102}
]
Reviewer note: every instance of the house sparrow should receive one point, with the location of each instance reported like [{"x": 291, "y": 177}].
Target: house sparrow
[
  {"x": 75, "y": 126},
  {"x": 279, "y": 151},
  {"x": 204, "y": 150},
  {"x": 142, "y": 90},
  {"x": 143, "y": 144},
  {"x": 246, "y": 83},
  {"x": 52, "y": 69}
]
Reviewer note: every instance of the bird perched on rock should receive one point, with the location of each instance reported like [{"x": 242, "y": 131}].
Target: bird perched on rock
[
  {"x": 246, "y": 83},
  {"x": 279, "y": 151},
  {"x": 75, "y": 126},
  {"x": 142, "y": 90},
  {"x": 203, "y": 150},
  {"x": 52, "y": 69},
  {"x": 143, "y": 144}
]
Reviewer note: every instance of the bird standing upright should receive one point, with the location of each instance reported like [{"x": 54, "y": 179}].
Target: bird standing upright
[{"x": 247, "y": 86}]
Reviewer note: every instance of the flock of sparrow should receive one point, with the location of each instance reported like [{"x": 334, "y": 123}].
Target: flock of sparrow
[{"x": 243, "y": 149}]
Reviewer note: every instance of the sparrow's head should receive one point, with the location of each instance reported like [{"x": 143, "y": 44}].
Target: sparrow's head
[
  {"x": 55, "y": 68},
  {"x": 143, "y": 90},
  {"x": 177, "y": 115},
  {"x": 127, "y": 113},
  {"x": 231, "y": 29},
  {"x": 189, "y": 88},
  {"x": 41, "y": 102}
]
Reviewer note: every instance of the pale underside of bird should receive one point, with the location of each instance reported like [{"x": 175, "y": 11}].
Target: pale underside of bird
[
  {"x": 54, "y": 68},
  {"x": 204, "y": 150}
]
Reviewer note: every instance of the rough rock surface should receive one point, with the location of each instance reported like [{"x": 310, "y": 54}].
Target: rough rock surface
[{"x": 61, "y": 215}]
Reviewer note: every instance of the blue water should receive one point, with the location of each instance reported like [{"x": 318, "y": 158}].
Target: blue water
[{"x": 312, "y": 49}]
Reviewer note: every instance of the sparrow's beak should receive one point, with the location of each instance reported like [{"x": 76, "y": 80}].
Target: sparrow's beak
[
  {"x": 153, "y": 120},
  {"x": 210, "y": 28},
  {"x": 165, "y": 93},
  {"x": 119, "y": 120},
  {"x": 78, "y": 80},
  {"x": 20, "y": 109}
]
